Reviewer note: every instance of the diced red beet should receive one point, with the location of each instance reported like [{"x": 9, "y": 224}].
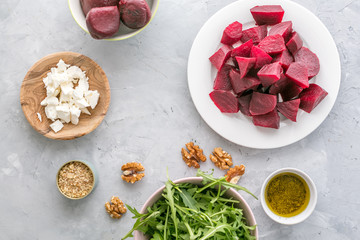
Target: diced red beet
[
  {"x": 219, "y": 58},
  {"x": 285, "y": 59},
  {"x": 245, "y": 64},
  {"x": 269, "y": 120},
  {"x": 89, "y": 4},
  {"x": 135, "y": 14},
  {"x": 267, "y": 14},
  {"x": 243, "y": 50},
  {"x": 290, "y": 91},
  {"x": 273, "y": 44},
  {"x": 232, "y": 33},
  {"x": 279, "y": 85},
  {"x": 244, "y": 104},
  {"x": 262, "y": 103},
  {"x": 255, "y": 33},
  {"x": 240, "y": 85},
  {"x": 270, "y": 73},
  {"x": 225, "y": 101},
  {"x": 283, "y": 28},
  {"x": 261, "y": 56},
  {"x": 289, "y": 109},
  {"x": 309, "y": 59},
  {"x": 311, "y": 97},
  {"x": 298, "y": 73},
  {"x": 103, "y": 22},
  {"x": 222, "y": 80},
  {"x": 295, "y": 43}
]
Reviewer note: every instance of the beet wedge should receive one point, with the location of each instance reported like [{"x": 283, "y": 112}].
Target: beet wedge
[
  {"x": 289, "y": 109},
  {"x": 103, "y": 22},
  {"x": 311, "y": 97},
  {"x": 267, "y": 14},
  {"x": 261, "y": 56},
  {"x": 245, "y": 64},
  {"x": 255, "y": 33},
  {"x": 243, "y": 50},
  {"x": 270, "y": 73},
  {"x": 290, "y": 91},
  {"x": 284, "y": 29},
  {"x": 309, "y": 59},
  {"x": 269, "y": 120},
  {"x": 285, "y": 59},
  {"x": 244, "y": 104},
  {"x": 295, "y": 43},
  {"x": 222, "y": 80},
  {"x": 279, "y": 85},
  {"x": 225, "y": 101},
  {"x": 219, "y": 58},
  {"x": 240, "y": 85},
  {"x": 232, "y": 33},
  {"x": 273, "y": 44},
  {"x": 262, "y": 103},
  {"x": 298, "y": 73}
]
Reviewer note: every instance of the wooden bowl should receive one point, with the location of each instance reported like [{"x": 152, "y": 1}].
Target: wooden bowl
[{"x": 33, "y": 92}]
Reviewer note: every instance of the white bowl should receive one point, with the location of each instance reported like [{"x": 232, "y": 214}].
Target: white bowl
[
  {"x": 305, "y": 213},
  {"x": 248, "y": 214},
  {"x": 123, "y": 33}
]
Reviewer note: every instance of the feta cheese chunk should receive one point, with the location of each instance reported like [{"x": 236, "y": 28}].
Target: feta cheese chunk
[
  {"x": 56, "y": 126},
  {"x": 92, "y": 98},
  {"x": 63, "y": 112},
  {"x": 50, "y": 112},
  {"x": 75, "y": 114}
]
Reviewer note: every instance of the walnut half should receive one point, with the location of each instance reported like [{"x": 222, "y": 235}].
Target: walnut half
[
  {"x": 131, "y": 172},
  {"x": 234, "y": 174},
  {"x": 193, "y": 155},
  {"x": 221, "y": 159},
  {"x": 115, "y": 208}
]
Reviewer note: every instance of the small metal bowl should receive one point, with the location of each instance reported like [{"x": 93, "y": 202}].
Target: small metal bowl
[
  {"x": 93, "y": 171},
  {"x": 304, "y": 214}
]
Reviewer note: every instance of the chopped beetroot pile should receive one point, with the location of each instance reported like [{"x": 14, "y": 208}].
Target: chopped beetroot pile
[{"x": 265, "y": 69}]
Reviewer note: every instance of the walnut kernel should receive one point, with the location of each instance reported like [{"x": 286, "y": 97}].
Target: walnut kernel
[
  {"x": 193, "y": 155},
  {"x": 131, "y": 172},
  {"x": 115, "y": 208},
  {"x": 234, "y": 174},
  {"x": 221, "y": 159}
]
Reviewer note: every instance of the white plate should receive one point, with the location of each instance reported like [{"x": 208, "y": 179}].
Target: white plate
[{"x": 238, "y": 128}]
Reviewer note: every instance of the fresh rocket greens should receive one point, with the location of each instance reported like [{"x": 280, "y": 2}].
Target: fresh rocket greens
[{"x": 187, "y": 211}]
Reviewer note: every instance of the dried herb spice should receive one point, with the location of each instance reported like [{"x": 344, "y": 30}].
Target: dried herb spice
[{"x": 287, "y": 194}]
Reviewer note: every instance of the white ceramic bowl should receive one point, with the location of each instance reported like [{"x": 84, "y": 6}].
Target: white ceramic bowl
[
  {"x": 123, "y": 33},
  {"x": 248, "y": 214},
  {"x": 305, "y": 213}
]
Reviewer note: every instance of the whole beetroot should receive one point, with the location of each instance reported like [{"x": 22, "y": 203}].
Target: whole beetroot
[
  {"x": 134, "y": 14},
  {"x": 103, "y": 22},
  {"x": 89, "y": 4}
]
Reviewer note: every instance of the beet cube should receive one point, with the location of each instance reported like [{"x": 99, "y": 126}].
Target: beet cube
[
  {"x": 290, "y": 91},
  {"x": 270, "y": 73},
  {"x": 245, "y": 64},
  {"x": 243, "y": 50},
  {"x": 273, "y": 44},
  {"x": 285, "y": 59},
  {"x": 103, "y": 22},
  {"x": 135, "y": 14},
  {"x": 269, "y": 120},
  {"x": 240, "y": 85},
  {"x": 261, "y": 56},
  {"x": 225, "y": 101},
  {"x": 284, "y": 29},
  {"x": 222, "y": 80},
  {"x": 298, "y": 73},
  {"x": 244, "y": 104},
  {"x": 232, "y": 33},
  {"x": 279, "y": 85},
  {"x": 219, "y": 58},
  {"x": 295, "y": 43},
  {"x": 262, "y": 103},
  {"x": 289, "y": 109},
  {"x": 311, "y": 97},
  {"x": 267, "y": 14},
  {"x": 309, "y": 59},
  {"x": 255, "y": 33}
]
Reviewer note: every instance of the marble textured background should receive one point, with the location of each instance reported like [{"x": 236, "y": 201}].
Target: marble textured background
[{"x": 151, "y": 116}]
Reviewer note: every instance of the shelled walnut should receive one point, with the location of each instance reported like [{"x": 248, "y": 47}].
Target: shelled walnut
[
  {"x": 193, "y": 155},
  {"x": 221, "y": 159},
  {"x": 116, "y": 208},
  {"x": 233, "y": 174},
  {"x": 131, "y": 172}
]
